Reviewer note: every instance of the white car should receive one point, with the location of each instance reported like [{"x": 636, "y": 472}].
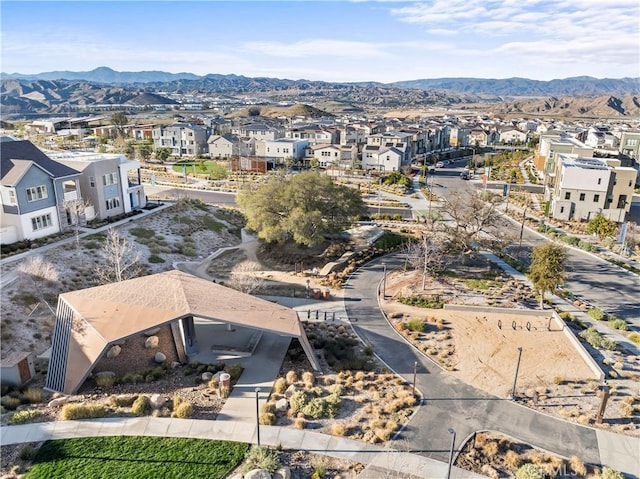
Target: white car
[{"x": 440, "y": 164}]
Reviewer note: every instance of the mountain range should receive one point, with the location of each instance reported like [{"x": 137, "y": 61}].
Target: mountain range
[
  {"x": 579, "y": 86},
  {"x": 62, "y": 92}
]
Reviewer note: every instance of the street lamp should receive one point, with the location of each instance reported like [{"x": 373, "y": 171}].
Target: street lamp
[
  {"x": 515, "y": 378},
  {"x": 524, "y": 217},
  {"x": 384, "y": 280},
  {"x": 453, "y": 443},
  {"x": 258, "y": 416},
  {"x": 415, "y": 372}
]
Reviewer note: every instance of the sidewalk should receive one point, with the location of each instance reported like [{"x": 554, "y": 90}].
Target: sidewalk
[{"x": 398, "y": 462}]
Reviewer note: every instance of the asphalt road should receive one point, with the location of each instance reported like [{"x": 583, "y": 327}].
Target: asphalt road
[{"x": 449, "y": 403}]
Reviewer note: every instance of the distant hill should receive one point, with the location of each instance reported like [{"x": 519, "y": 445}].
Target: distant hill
[
  {"x": 578, "y": 86},
  {"x": 276, "y": 111},
  {"x": 596, "y": 107}
]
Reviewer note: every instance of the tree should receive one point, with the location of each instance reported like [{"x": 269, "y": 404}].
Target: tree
[
  {"x": 162, "y": 154},
  {"x": 547, "y": 268},
  {"x": 38, "y": 270},
  {"x": 119, "y": 120},
  {"x": 426, "y": 255},
  {"x": 471, "y": 219},
  {"x": 601, "y": 226},
  {"x": 305, "y": 207},
  {"x": 77, "y": 211},
  {"x": 144, "y": 151},
  {"x": 244, "y": 278},
  {"x": 118, "y": 260}
]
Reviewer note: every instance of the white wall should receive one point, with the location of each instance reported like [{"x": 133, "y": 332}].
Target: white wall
[{"x": 27, "y": 228}]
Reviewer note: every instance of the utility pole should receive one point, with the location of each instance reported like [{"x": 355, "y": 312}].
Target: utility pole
[{"x": 524, "y": 216}]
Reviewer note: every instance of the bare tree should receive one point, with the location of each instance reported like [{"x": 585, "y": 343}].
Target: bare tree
[
  {"x": 426, "y": 254},
  {"x": 472, "y": 217},
  {"x": 244, "y": 277},
  {"x": 39, "y": 271},
  {"x": 119, "y": 260},
  {"x": 77, "y": 211}
]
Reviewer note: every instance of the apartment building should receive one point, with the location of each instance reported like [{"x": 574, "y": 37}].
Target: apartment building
[
  {"x": 183, "y": 139},
  {"x": 558, "y": 143}
]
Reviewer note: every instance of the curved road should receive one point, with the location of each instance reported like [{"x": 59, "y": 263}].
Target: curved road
[{"x": 449, "y": 403}]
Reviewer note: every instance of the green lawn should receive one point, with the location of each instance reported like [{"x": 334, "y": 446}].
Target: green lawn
[
  {"x": 202, "y": 167},
  {"x": 136, "y": 458}
]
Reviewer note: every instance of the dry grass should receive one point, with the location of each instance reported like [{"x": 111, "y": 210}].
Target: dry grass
[{"x": 291, "y": 377}]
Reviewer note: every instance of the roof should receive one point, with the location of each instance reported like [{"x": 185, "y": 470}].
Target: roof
[
  {"x": 105, "y": 314},
  {"x": 17, "y": 156}
]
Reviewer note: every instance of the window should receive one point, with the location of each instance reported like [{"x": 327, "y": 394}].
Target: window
[
  {"x": 599, "y": 180},
  {"x": 110, "y": 179},
  {"x": 632, "y": 142},
  {"x": 622, "y": 201},
  {"x": 92, "y": 181},
  {"x": 562, "y": 209},
  {"x": 112, "y": 203},
  {"x": 596, "y": 198},
  {"x": 12, "y": 197},
  {"x": 567, "y": 195},
  {"x": 582, "y": 195},
  {"x": 630, "y": 182},
  {"x": 36, "y": 193},
  {"x": 40, "y": 222}
]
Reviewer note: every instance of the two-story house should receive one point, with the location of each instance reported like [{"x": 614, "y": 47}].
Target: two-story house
[
  {"x": 282, "y": 150},
  {"x": 183, "y": 139},
  {"x": 344, "y": 157},
  {"x": 33, "y": 192},
  {"x": 226, "y": 146},
  {"x": 109, "y": 182}
]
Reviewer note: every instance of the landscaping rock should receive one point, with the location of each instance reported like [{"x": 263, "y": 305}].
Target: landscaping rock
[
  {"x": 258, "y": 474},
  {"x": 282, "y": 405},
  {"x": 157, "y": 401},
  {"x": 290, "y": 390},
  {"x": 206, "y": 376},
  {"x": 237, "y": 476},
  {"x": 59, "y": 401},
  {"x": 114, "y": 352},
  {"x": 151, "y": 332},
  {"x": 160, "y": 357},
  {"x": 175, "y": 364},
  {"x": 151, "y": 342},
  {"x": 282, "y": 473}
]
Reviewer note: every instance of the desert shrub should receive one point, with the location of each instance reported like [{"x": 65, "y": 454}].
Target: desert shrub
[
  {"x": 530, "y": 471},
  {"x": 336, "y": 389},
  {"x": 634, "y": 337},
  {"x": 261, "y": 458},
  {"x": 315, "y": 409},
  {"x": 131, "y": 378},
  {"x": 234, "y": 371},
  {"x": 319, "y": 471},
  {"x": 383, "y": 434},
  {"x": 491, "y": 448},
  {"x": 608, "y": 473},
  {"x": 332, "y": 405},
  {"x": 512, "y": 458},
  {"x": 421, "y": 302},
  {"x": 595, "y": 339},
  {"x": 297, "y": 401},
  {"x": 585, "y": 245},
  {"x": 105, "y": 381},
  {"x": 32, "y": 395},
  {"x": 141, "y": 406},
  {"x": 22, "y": 417},
  {"x": 557, "y": 380},
  {"x": 224, "y": 392},
  {"x": 291, "y": 377},
  {"x": 28, "y": 452},
  {"x": 416, "y": 324},
  {"x": 177, "y": 400},
  {"x": 267, "y": 418},
  {"x": 300, "y": 423},
  {"x": 338, "y": 429},
  {"x": 308, "y": 379},
  {"x": 616, "y": 323},
  {"x": 268, "y": 407},
  {"x": 154, "y": 258},
  {"x": 577, "y": 466},
  {"x": 184, "y": 410},
  {"x": 280, "y": 386},
  {"x": 596, "y": 313},
  {"x": 11, "y": 403},
  {"x": 82, "y": 411},
  {"x": 567, "y": 316},
  {"x": 122, "y": 400}
]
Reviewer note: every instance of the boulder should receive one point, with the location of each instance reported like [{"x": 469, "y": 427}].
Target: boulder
[
  {"x": 206, "y": 376},
  {"x": 282, "y": 473},
  {"x": 290, "y": 390},
  {"x": 114, "y": 352},
  {"x": 160, "y": 357},
  {"x": 151, "y": 332},
  {"x": 151, "y": 342},
  {"x": 258, "y": 474},
  {"x": 282, "y": 405},
  {"x": 237, "y": 476},
  {"x": 157, "y": 401},
  {"x": 63, "y": 400}
]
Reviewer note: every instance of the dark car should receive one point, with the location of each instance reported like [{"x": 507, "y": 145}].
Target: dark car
[{"x": 464, "y": 175}]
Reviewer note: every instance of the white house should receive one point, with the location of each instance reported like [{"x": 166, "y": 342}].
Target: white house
[
  {"x": 381, "y": 158},
  {"x": 282, "y": 149}
]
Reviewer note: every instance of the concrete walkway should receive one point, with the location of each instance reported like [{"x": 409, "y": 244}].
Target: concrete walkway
[{"x": 401, "y": 464}]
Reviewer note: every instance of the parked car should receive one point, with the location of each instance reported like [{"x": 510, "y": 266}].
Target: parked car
[
  {"x": 440, "y": 164},
  {"x": 464, "y": 175}
]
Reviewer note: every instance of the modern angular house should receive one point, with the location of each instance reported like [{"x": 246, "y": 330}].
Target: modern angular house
[{"x": 33, "y": 192}]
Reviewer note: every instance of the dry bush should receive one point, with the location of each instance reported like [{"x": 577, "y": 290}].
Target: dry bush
[
  {"x": 360, "y": 375},
  {"x": 267, "y": 418},
  {"x": 214, "y": 383},
  {"x": 176, "y": 402},
  {"x": 439, "y": 324},
  {"x": 512, "y": 458},
  {"x": 82, "y": 411},
  {"x": 338, "y": 429},
  {"x": 328, "y": 380},
  {"x": 300, "y": 423},
  {"x": 376, "y": 424},
  {"x": 577, "y": 466},
  {"x": 32, "y": 395},
  {"x": 269, "y": 408},
  {"x": 391, "y": 425},
  {"x": 491, "y": 448},
  {"x": 359, "y": 385},
  {"x": 383, "y": 434},
  {"x": 348, "y": 382},
  {"x": 184, "y": 410},
  {"x": 308, "y": 379},
  {"x": 393, "y": 406},
  {"x": 409, "y": 401},
  {"x": 557, "y": 380},
  {"x": 291, "y": 377},
  {"x": 280, "y": 385}
]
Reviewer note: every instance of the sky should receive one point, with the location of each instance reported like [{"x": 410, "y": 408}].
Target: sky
[{"x": 337, "y": 41}]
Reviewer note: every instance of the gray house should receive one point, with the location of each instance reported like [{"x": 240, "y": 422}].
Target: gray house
[{"x": 33, "y": 191}]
